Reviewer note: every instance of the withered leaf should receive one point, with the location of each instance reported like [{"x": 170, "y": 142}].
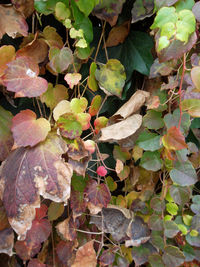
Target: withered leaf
[
  {"x": 7, "y": 241},
  {"x": 24, "y": 6},
  {"x": 67, "y": 229},
  {"x": 12, "y": 22},
  {"x": 65, "y": 252},
  {"x": 122, "y": 129},
  {"x": 86, "y": 256},
  {"x": 30, "y": 172}
]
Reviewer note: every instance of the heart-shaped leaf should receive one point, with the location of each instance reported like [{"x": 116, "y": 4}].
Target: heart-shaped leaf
[
  {"x": 84, "y": 119},
  {"x": 36, "y": 129},
  {"x": 100, "y": 123},
  {"x": 111, "y": 77},
  {"x": 69, "y": 126},
  {"x": 72, "y": 79},
  {"x": 60, "y": 59},
  {"x": 95, "y": 105},
  {"x": 174, "y": 139},
  {"x": 78, "y": 105},
  {"x": 21, "y": 77}
]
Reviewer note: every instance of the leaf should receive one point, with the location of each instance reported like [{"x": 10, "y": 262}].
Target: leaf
[
  {"x": 60, "y": 59},
  {"x": 21, "y": 77},
  {"x": 149, "y": 141},
  {"x": 157, "y": 240},
  {"x": 91, "y": 82},
  {"x": 85, "y": 6},
  {"x": 111, "y": 77},
  {"x": 90, "y": 146},
  {"x": 156, "y": 223},
  {"x": 157, "y": 204},
  {"x": 195, "y": 72},
  {"x": 67, "y": 229},
  {"x": 6, "y": 139},
  {"x": 195, "y": 207},
  {"x": 185, "y": 4},
  {"x": 7, "y": 54},
  {"x": 173, "y": 120},
  {"x": 72, "y": 79},
  {"x": 35, "y": 263},
  {"x": 192, "y": 106},
  {"x": 107, "y": 257},
  {"x": 39, "y": 232},
  {"x": 183, "y": 174},
  {"x": 77, "y": 203},
  {"x": 52, "y": 38},
  {"x": 54, "y": 95},
  {"x": 55, "y": 210},
  {"x": 180, "y": 195},
  {"x": 117, "y": 35},
  {"x": 37, "y": 50},
  {"x": 119, "y": 166},
  {"x": 156, "y": 261},
  {"x": 46, "y": 7},
  {"x": 84, "y": 119},
  {"x": 112, "y": 185},
  {"x": 61, "y": 108},
  {"x": 170, "y": 229},
  {"x": 25, "y": 7},
  {"x": 12, "y": 22},
  {"x": 98, "y": 195},
  {"x": 24, "y": 181},
  {"x": 119, "y": 153},
  {"x": 69, "y": 126},
  {"x": 136, "y": 101},
  {"x": 62, "y": 12},
  {"x": 78, "y": 104},
  {"x": 100, "y": 123},
  {"x": 7, "y": 241},
  {"x": 124, "y": 173},
  {"x": 173, "y": 256},
  {"x": 195, "y": 10},
  {"x": 127, "y": 127},
  {"x": 85, "y": 256},
  {"x": 108, "y": 10},
  {"x": 151, "y": 161},
  {"x": 36, "y": 129},
  {"x": 141, "y": 10},
  {"x": 161, "y": 3},
  {"x": 65, "y": 252},
  {"x": 174, "y": 139},
  {"x": 140, "y": 254},
  {"x": 95, "y": 105},
  {"x": 115, "y": 221},
  {"x": 153, "y": 120}
]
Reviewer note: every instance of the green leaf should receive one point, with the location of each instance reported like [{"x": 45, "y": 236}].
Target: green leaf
[
  {"x": 182, "y": 228},
  {"x": 193, "y": 240},
  {"x": 86, "y": 6},
  {"x": 112, "y": 185},
  {"x": 142, "y": 10},
  {"x": 165, "y": 15},
  {"x": 78, "y": 105},
  {"x": 151, "y": 161},
  {"x": 149, "y": 141},
  {"x": 183, "y": 174},
  {"x": 140, "y": 254},
  {"x": 157, "y": 240},
  {"x": 173, "y": 256},
  {"x": 156, "y": 261},
  {"x": 95, "y": 105},
  {"x": 118, "y": 153},
  {"x": 170, "y": 229},
  {"x": 60, "y": 59},
  {"x": 157, "y": 204},
  {"x": 111, "y": 77},
  {"x": 163, "y": 43},
  {"x": 195, "y": 207},
  {"x": 61, "y": 11},
  {"x": 55, "y": 210},
  {"x": 172, "y": 208},
  {"x": 47, "y": 7},
  {"x": 156, "y": 223},
  {"x": 69, "y": 126},
  {"x": 79, "y": 182},
  {"x": 192, "y": 106},
  {"x": 184, "y": 4},
  {"x": 173, "y": 120},
  {"x": 153, "y": 120},
  {"x": 180, "y": 195},
  {"x": 92, "y": 83}
]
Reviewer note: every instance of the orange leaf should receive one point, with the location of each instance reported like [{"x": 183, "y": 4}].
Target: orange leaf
[
  {"x": 174, "y": 139},
  {"x": 118, "y": 35},
  {"x": 27, "y": 130},
  {"x": 7, "y": 54}
]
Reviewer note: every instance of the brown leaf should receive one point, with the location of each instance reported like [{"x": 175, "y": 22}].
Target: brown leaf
[
  {"x": 118, "y": 34},
  {"x": 77, "y": 203},
  {"x": 12, "y": 22},
  {"x": 65, "y": 252},
  {"x": 36, "y": 49},
  {"x": 136, "y": 101},
  {"x": 85, "y": 256},
  {"x": 24, "y": 6},
  {"x": 67, "y": 229},
  {"x": 122, "y": 129},
  {"x": 174, "y": 139},
  {"x": 28, "y": 173},
  {"x": 36, "y": 263}
]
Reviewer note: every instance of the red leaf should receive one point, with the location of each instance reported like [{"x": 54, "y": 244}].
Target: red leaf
[
  {"x": 12, "y": 22},
  {"x": 41, "y": 212},
  {"x": 21, "y": 77},
  {"x": 77, "y": 203},
  {"x": 65, "y": 252},
  {"x": 98, "y": 195},
  {"x": 27, "y": 130},
  {"x": 101, "y": 171},
  {"x": 174, "y": 139},
  {"x": 36, "y": 263},
  {"x": 29, "y": 173}
]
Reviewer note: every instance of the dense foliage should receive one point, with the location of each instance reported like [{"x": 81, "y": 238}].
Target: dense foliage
[{"x": 99, "y": 133}]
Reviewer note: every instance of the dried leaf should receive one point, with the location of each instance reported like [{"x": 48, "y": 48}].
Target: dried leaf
[
  {"x": 142, "y": 9},
  {"x": 117, "y": 35},
  {"x": 122, "y": 129},
  {"x": 65, "y": 252},
  {"x": 85, "y": 256},
  {"x": 50, "y": 177},
  {"x": 24, "y": 6},
  {"x": 61, "y": 108},
  {"x": 136, "y": 101},
  {"x": 21, "y": 77},
  {"x": 12, "y": 22},
  {"x": 7, "y": 241},
  {"x": 36, "y": 129},
  {"x": 53, "y": 39},
  {"x": 67, "y": 229}
]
